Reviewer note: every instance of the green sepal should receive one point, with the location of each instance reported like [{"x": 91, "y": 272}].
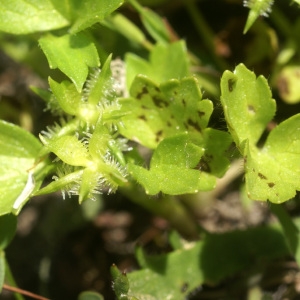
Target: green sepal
[
  {"x": 68, "y": 148},
  {"x": 66, "y": 95},
  {"x": 257, "y": 8}
]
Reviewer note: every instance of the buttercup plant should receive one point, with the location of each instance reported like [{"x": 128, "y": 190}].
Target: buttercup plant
[{"x": 112, "y": 110}]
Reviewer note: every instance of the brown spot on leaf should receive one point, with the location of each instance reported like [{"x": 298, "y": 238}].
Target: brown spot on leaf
[
  {"x": 251, "y": 109},
  {"x": 283, "y": 86},
  {"x": 194, "y": 124},
  {"x": 203, "y": 164},
  {"x": 231, "y": 83},
  {"x": 143, "y": 117},
  {"x": 183, "y": 102},
  {"x": 184, "y": 287},
  {"x": 159, "y": 102},
  {"x": 261, "y": 176},
  {"x": 201, "y": 113},
  {"x": 142, "y": 93},
  {"x": 271, "y": 184},
  {"x": 158, "y": 135},
  {"x": 169, "y": 124}
]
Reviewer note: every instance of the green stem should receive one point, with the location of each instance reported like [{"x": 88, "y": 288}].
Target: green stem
[
  {"x": 289, "y": 228},
  {"x": 10, "y": 279},
  {"x": 167, "y": 207},
  {"x": 204, "y": 31}
]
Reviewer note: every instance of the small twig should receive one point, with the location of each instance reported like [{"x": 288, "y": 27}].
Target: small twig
[{"x": 23, "y": 292}]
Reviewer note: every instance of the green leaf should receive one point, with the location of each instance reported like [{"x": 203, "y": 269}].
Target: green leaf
[
  {"x": 8, "y": 226},
  {"x": 173, "y": 169},
  {"x": 68, "y": 148},
  {"x": 66, "y": 95},
  {"x": 18, "y": 152},
  {"x": 72, "y": 54},
  {"x": 154, "y": 24},
  {"x": 247, "y": 103},
  {"x": 166, "y": 62},
  {"x": 89, "y": 12},
  {"x": 273, "y": 172},
  {"x": 157, "y": 112},
  {"x": 126, "y": 27},
  {"x": 177, "y": 274},
  {"x": 28, "y": 16},
  {"x": 90, "y": 296}
]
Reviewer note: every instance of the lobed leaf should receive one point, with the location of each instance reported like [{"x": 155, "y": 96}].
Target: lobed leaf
[
  {"x": 273, "y": 172},
  {"x": 88, "y": 12},
  {"x": 166, "y": 61},
  {"x": 177, "y": 275},
  {"x": 72, "y": 54},
  {"x": 248, "y": 105},
  {"x": 157, "y": 112},
  {"x": 173, "y": 168}
]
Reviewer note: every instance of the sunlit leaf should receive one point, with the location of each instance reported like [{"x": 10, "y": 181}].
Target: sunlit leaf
[
  {"x": 173, "y": 169},
  {"x": 247, "y": 103},
  {"x": 72, "y": 54},
  {"x": 27, "y": 16},
  {"x": 165, "y": 62},
  {"x": 273, "y": 172},
  {"x": 18, "y": 152},
  {"x": 156, "y": 112}
]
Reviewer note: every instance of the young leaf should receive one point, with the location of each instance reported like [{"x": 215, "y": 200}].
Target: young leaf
[
  {"x": 173, "y": 168},
  {"x": 72, "y": 54},
  {"x": 166, "y": 62},
  {"x": 247, "y": 103},
  {"x": 66, "y": 95},
  {"x": 23, "y": 16},
  {"x": 18, "y": 152},
  {"x": 88, "y": 12},
  {"x": 153, "y": 23},
  {"x": 273, "y": 172}
]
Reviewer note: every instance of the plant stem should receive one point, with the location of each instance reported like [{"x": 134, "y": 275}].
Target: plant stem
[
  {"x": 10, "y": 279},
  {"x": 165, "y": 206},
  {"x": 204, "y": 31},
  {"x": 290, "y": 230}
]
